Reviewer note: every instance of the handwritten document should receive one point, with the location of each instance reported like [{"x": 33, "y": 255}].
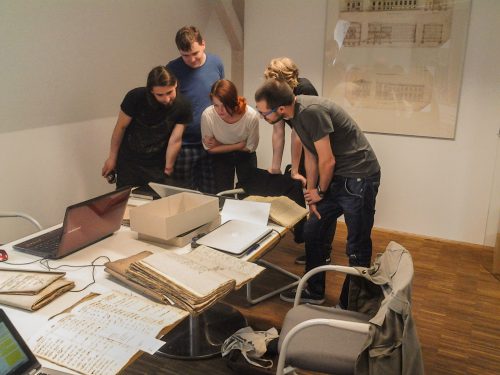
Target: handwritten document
[
  {"x": 194, "y": 281},
  {"x": 101, "y": 335},
  {"x": 26, "y": 282},
  {"x": 186, "y": 273},
  {"x": 228, "y": 265}
]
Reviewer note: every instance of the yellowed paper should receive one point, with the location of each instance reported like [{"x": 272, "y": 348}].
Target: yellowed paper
[
  {"x": 102, "y": 334},
  {"x": 284, "y": 211},
  {"x": 13, "y": 281},
  {"x": 227, "y": 265},
  {"x": 36, "y": 301}
]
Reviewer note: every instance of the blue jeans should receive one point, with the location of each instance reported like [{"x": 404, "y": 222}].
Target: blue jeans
[{"x": 355, "y": 199}]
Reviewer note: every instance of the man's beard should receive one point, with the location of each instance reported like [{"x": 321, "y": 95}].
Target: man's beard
[{"x": 278, "y": 120}]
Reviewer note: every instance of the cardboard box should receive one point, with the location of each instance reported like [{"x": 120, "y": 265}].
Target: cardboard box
[
  {"x": 166, "y": 218},
  {"x": 184, "y": 238}
]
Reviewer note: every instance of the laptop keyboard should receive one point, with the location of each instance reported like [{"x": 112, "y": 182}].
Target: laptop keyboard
[{"x": 45, "y": 243}]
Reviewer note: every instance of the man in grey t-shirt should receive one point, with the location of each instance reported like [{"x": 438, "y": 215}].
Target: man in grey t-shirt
[{"x": 342, "y": 172}]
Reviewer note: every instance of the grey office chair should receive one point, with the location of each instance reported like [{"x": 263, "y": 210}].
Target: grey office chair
[
  {"x": 376, "y": 335},
  {"x": 22, "y": 215},
  {"x": 233, "y": 192}
]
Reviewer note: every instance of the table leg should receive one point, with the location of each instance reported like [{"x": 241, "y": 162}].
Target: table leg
[
  {"x": 202, "y": 336},
  {"x": 267, "y": 264}
]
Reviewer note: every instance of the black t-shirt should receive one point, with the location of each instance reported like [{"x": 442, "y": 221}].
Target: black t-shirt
[
  {"x": 305, "y": 87},
  {"x": 147, "y": 136}
]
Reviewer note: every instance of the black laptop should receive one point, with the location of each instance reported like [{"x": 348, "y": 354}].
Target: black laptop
[
  {"x": 16, "y": 358},
  {"x": 84, "y": 223}
]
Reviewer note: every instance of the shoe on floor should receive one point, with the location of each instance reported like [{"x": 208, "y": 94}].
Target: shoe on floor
[
  {"x": 306, "y": 297},
  {"x": 302, "y": 260}
]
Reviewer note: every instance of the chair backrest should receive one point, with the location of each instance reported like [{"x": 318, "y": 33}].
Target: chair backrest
[
  {"x": 21, "y": 215},
  {"x": 393, "y": 325},
  {"x": 397, "y": 264},
  {"x": 390, "y": 274}
]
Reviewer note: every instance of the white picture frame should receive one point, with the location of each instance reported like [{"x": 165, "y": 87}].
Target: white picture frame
[{"x": 396, "y": 66}]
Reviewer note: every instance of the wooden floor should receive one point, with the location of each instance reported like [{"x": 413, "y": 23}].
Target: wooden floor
[{"x": 456, "y": 306}]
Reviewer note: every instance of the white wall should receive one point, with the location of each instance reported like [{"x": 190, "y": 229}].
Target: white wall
[
  {"x": 66, "y": 66},
  {"x": 431, "y": 187}
]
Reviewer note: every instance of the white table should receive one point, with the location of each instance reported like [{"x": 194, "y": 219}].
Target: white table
[{"x": 122, "y": 244}]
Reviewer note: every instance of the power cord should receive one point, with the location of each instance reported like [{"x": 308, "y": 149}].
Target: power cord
[
  {"x": 23, "y": 264},
  {"x": 45, "y": 263}
]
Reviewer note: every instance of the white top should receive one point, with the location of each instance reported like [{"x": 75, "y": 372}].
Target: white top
[{"x": 246, "y": 129}]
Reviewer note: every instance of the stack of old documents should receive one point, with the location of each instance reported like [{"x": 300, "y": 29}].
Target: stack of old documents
[
  {"x": 194, "y": 281},
  {"x": 31, "y": 290}
]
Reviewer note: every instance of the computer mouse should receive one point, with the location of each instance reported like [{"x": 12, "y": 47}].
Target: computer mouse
[{"x": 3, "y": 255}]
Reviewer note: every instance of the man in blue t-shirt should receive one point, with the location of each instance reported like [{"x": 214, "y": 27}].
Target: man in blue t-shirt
[{"x": 196, "y": 71}]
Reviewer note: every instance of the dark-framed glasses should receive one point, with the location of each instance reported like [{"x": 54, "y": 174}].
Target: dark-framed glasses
[{"x": 265, "y": 114}]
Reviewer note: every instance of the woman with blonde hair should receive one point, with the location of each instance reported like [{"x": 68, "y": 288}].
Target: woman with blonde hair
[
  {"x": 230, "y": 132},
  {"x": 283, "y": 68}
]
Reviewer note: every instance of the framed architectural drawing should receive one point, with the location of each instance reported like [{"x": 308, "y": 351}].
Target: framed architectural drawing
[{"x": 396, "y": 66}]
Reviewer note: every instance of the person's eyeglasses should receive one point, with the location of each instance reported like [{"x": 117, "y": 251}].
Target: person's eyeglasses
[{"x": 265, "y": 114}]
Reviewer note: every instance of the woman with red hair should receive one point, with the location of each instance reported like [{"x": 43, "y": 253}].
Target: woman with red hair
[{"x": 230, "y": 132}]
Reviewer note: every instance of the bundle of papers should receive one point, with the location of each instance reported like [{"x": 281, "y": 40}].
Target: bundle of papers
[
  {"x": 31, "y": 290},
  {"x": 194, "y": 281}
]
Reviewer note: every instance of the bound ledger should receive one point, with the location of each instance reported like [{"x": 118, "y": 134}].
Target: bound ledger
[
  {"x": 284, "y": 211},
  {"x": 31, "y": 290},
  {"x": 104, "y": 333},
  {"x": 194, "y": 281}
]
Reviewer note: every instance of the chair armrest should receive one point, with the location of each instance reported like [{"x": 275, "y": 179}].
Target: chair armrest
[
  {"x": 234, "y": 192},
  {"x": 23, "y": 216},
  {"x": 314, "y": 271},
  {"x": 342, "y": 324}
]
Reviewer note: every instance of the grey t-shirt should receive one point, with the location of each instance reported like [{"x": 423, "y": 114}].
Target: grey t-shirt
[{"x": 316, "y": 117}]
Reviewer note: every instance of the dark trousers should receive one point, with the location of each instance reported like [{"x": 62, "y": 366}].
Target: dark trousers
[
  {"x": 194, "y": 169},
  {"x": 136, "y": 173},
  {"x": 226, "y": 164},
  {"x": 355, "y": 199},
  {"x": 261, "y": 182}
]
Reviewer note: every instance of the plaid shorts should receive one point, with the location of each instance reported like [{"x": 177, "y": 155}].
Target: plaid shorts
[{"x": 194, "y": 167}]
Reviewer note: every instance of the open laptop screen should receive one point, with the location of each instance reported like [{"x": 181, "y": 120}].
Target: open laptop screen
[
  {"x": 15, "y": 356},
  {"x": 90, "y": 221}
]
